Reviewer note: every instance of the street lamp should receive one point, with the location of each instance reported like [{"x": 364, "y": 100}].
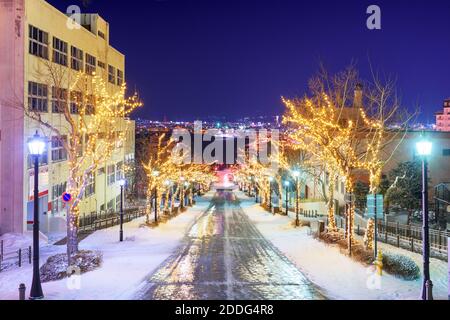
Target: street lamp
[
  {"x": 182, "y": 179},
  {"x": 186, "y": 185},
  {"x": 423, "y": 148},
  {"x": 122, "y": 183},
  {"x": 36, "y": 147},
  {"x": 256, "y": 189},
  {"x": 296, "y": 174},
  {"x": 270, "y": 193},
  {"x": 286, "y": 184},
  {"x": 155, "y": 173}
]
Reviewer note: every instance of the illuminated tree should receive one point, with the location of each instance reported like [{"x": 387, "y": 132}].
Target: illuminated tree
[
  {"x": 166, "y": 169},
  {"x": 90, "y": 121},
  {"x": 343, "y": 129}
]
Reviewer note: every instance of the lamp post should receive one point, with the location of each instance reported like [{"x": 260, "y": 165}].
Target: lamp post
[
  {"x": 186, "y": 196},
  {"x": 36, "y": 147},
  {"x": 296, "y": 174},
  {"x": 423, "y": 148},
  {"x": 270, "y": 193},
  {"x": 182, "y": 193},
  {"x": 122, "y": 184},
  {"x": 256, "y": 190},
  {"x": 286, "y": 184},
  {"x": 155, "y": 173}
]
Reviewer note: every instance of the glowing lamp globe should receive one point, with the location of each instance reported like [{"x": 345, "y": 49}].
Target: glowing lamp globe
[
  {"x": 296, "y": 173},
  {"x": 423, "y": 147},
  {"x": 270, "y": 179},
  {"x": 286, "y": 183},
  {"x": 122, "y": 182},
  {"x": 36, "y": 145}
]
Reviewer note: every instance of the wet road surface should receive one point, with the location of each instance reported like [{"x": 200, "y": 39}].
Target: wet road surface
[{"x": 224, "y": 256}]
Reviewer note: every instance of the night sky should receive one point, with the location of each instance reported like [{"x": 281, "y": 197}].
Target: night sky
[{"x": 196, "y": 58}]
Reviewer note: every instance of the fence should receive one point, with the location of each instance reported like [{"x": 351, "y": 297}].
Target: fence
[
  {"x": 102, "y": 220},
  {"x": 14, "y": 258},
  {"x": 405, "y": 236}
]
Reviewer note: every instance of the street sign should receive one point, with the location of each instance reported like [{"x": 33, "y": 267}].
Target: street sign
[
  {"x": 66, "y": 197},
  {"x": 371, "y": 205}
]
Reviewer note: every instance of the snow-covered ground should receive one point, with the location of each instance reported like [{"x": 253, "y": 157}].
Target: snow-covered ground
[
  {"x": 336, "y": 274},
  {"x": 125, "y": 264}
]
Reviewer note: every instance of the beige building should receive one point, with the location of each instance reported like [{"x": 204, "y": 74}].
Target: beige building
[
  {"x": 443, "y": 117},
  {"x": 33, "y": 33}
]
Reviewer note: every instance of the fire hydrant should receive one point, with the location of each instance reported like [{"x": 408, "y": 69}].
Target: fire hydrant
[{"x": 379, "y": 263}]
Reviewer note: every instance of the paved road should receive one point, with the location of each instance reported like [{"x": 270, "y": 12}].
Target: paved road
[{"x": 224, "y": 256}]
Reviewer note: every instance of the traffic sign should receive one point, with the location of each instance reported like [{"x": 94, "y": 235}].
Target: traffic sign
[
  {"x": 66, "y": 197},
  {"x": 371, "y": 200}
]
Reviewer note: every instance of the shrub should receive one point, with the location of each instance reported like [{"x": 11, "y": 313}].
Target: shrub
[{"x": 401, "y": 266}]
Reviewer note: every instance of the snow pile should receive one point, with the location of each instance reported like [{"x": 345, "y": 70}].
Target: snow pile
[
  {"x": 401, "y": 266},
  {"x": 56, "y": 267}
]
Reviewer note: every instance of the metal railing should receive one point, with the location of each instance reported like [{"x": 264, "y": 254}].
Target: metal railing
[
  {"x": 404, "y": 236},
  {"x": 94, "y": 221},
  {"x": 15, "y": 257}
]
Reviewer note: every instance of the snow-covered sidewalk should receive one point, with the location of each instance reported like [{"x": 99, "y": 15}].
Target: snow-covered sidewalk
[
  {"x": 125, "y": 264},
  {"x": 337, "y": 275}
]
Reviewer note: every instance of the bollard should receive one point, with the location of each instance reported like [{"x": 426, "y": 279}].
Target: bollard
[
  {"x": 22, "y": 290},
  {"x": 20, "y": 257},
  {"x": 429, "y": 290}
]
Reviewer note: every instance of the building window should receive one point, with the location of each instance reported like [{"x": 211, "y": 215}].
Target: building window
[
  {"x": 57, "y": 192},
  {"x": 119, "y": 77},
  {"x": 110, "y": 205},
  {"x": 119, "y": 173},
  {"x": 76, "y": 99},
  {"x": 446, "y": 152},
  {"x": 90, "y": 105},
  {"x": 101, "y": 64},
  {"x": 58, "y": 151},
  {"x": 90, "y": 186},
  {"x": 91, "y": 64},
  {"x": 59, "y": 100},
  {"x": 59, "y": 51},
  {"x": 111, "y": 74},
  {"x": 37, "y": 97},
  {"x": 38, "y": 42},
  {"x": 101, "y": 171},
  {"x": 76, "y": 59},
  {"x": 111, "y": 174},
  {"x": 118, "y": 200},
  {"x": 101, "y": 34}
]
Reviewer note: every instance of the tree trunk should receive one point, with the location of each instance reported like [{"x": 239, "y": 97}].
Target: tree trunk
[
  {"x": 72, "y": 221},
  {"x": 72, "y": 234},
  {"x": 330, "y": 206}
]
